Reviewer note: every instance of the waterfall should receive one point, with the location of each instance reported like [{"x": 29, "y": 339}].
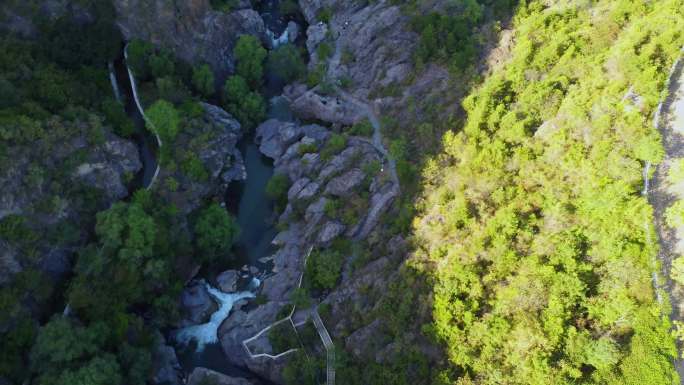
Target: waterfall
[
  {"x": 115, "y": 85},
  {"x": 207, "y": 333},
  {"x": 276, "y": 42}
]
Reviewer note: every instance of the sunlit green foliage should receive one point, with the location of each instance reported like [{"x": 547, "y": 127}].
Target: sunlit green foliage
[
  {"x": 532, "y": 224},
  {"x": 164, "y": 119}
]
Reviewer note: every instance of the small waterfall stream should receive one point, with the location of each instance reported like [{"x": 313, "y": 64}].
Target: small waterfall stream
[{"x": 207, "y": 333}]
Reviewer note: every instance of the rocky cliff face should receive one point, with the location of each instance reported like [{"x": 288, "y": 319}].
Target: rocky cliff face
[
  {"x": 191, "y": 29},
  {"x": 55, "y": 187},
  {"x": 351, "y": 178},
  {"x": 372, "y": 56}
]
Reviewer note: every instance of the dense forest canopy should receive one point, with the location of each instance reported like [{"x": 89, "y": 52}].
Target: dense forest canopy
[{"x": 532, "y": 230}]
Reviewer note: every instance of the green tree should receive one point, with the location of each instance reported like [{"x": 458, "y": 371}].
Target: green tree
[
  {"x": 247, "y": 106},
  {"x": 250, "y": 55},
  {"x": 161, "y": 64},
  {"x": 164, "y": 119},
  {"x": 286, "y": 62},
  {"x": 323, "y": 268},
  {"x": 101, "y": 370},
  {"x": 203, "y": 80},
  {"x": 215, "y": 232},
  {"x": 138, "y": 52}
]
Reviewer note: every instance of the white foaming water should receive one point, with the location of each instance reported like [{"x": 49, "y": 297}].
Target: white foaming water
[
  {"x": 207, "y": 333},
  {"x": 276, "y": 42}
]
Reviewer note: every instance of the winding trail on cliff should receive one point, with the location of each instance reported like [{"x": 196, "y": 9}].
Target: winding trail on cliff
[
  {"x": 367, "y": 107},
  {"x": 661, "y": 194}
]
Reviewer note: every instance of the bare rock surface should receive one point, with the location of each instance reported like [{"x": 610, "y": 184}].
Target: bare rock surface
[
  {"x": 200, "y": 376},
  {"x": 227, "y": 281},
  {"x": 196, "y": 304}
]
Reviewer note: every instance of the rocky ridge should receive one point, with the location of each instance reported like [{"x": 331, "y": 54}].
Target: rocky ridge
[{"x": 191, "y": 29}]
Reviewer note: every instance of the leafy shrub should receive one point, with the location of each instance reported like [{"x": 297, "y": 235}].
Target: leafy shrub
[
  {"x": 307, "y": 148},
  {"x": 324, "y": 51},
  {"x": 215, "y": 232},
  {"x": 287, "y": 63},
  {"x": 247, "y": 106},
  {"x": 116, "y": 116},
  {"x": 276, "y": 189},
  {"x": 362, "y": 128},
  {"x": 323, "y": 269},
  {"x": 13, "y": 228},
  {"x": 335, "y": 144},
  {"x": 203, "y": 80},
  {"x": 194, "y": 168},
  {"x": 324, "y": 14},
  {"x": 249, "y": 56},
  {"x": 164, "y": 119},
  {"x": 224, "y": 5}
]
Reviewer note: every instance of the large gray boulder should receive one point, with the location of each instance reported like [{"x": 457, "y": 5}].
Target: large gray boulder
[
  {"x": 242, "y": 325},
  {"x": 196, "y": 304},
  {"x": 227, "y": 281},
  {"x": 311, "y": 105},
  {"x": 345, "y": 184},
  {"x": 166, "y": 369}
]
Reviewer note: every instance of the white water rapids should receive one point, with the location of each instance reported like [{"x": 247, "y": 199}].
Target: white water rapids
[{"x": 207, "y": 333}]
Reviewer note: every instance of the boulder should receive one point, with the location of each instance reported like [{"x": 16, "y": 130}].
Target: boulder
[
  {"x": 201, "y": 376},
  {"x": 227, "y": 281},
  {"x": 345, "y": 184},
  {"x": 274, "y": 137},
  {"x": 196, "y": 303},
  {"x": 380, "y": 202},
  {"x": 166, "y": 369},
  {"x": 315, "y": 34},
  {"x": 309, "y": 191},
  {"x": 311, "y": 105},
  {"x": 105, "y": 168},
  {"x": 330, "y": 231},
  {"x": 292, "y": 31},
  {"x": 241, "y": 325},
  {"x": 296, "y": 188}
]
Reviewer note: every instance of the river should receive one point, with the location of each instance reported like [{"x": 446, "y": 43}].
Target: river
[{"x": 254, "y": 210}]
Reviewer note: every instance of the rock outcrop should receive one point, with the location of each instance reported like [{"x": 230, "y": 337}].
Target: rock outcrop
[
  {"x": 191, "y": 29},
  {"x": 196, "y": 304},
  {"x": 166, "y": 369},
  {"x": 212, "y": 140},
  {"x": 60, "y": 183},
  {"x": 332, "y": 195},
  {"x": 201, "y": 376}
]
